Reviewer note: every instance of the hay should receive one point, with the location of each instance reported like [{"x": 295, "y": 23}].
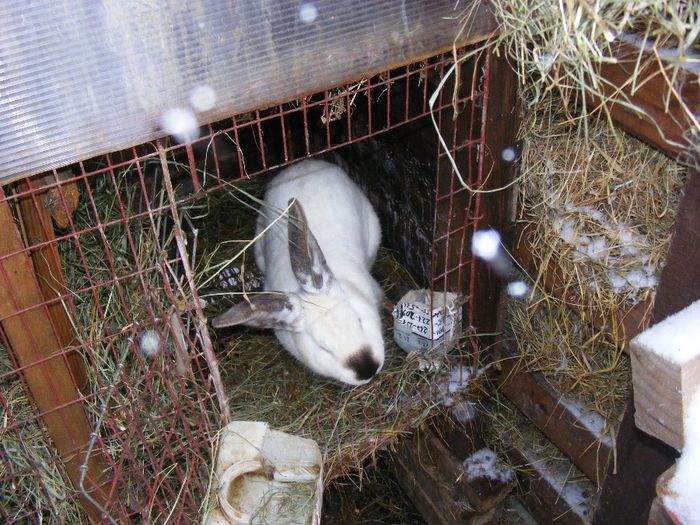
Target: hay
[
  {"x": 582, "y": 365},
  {"x": 123, "y": 322},
  {"x": 602, "y": 210},
  {"x": 559, "y": 46},
  {"x": 32, "y": 480}
]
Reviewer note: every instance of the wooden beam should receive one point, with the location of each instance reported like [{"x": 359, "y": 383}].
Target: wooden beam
[
  {"x": 666, "y": 375},
  {"x": 28, "y": 326},
  {"x": 503, "y": 113},
  {"x": 544, "y": 407},
  {"x": 36, "y": 210},
  {"x": 647, "y": 107},
  {"x": 437, "y": 480}
]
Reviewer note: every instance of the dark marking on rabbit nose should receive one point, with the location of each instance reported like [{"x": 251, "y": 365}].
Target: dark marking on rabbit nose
[{"x": 363, "y": 364}]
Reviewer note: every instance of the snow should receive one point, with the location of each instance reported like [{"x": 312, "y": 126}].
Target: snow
[
  {"x": 592, "y": 421},
  {"x": 517, "y": 288},
  {"x": 484, "y": 464},
  {"x": 557, "y": 475},
  {"x": 486, "y": 244},
  {"x": 684, "y": 488},
  {"x": 676, "y": 337},
  {"x": 458, "y": 382},
  {"x": 616, "y": 247}
]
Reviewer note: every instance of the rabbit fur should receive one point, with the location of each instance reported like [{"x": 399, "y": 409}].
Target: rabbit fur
[{"x": 323, "y": 304}]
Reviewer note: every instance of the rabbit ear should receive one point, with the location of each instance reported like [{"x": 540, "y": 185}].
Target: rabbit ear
[
  {"x": 308, "y": 262},
  {"x": 274, "y": 310}
]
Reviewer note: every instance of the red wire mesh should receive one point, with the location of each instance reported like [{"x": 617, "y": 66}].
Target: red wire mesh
[{"x": 123, "y": 289}]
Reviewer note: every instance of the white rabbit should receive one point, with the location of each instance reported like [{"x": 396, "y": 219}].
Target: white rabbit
[{"x": 323, "y": 303}]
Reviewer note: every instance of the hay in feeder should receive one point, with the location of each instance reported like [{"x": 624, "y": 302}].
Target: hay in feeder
[
  {"x": 600, "y": 209},
  {"x": 559, "y": 47},
  {"x": 590, "y": 373}
]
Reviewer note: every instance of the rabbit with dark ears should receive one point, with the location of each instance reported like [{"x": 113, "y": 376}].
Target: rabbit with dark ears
[{"x": 320, "y": 298}]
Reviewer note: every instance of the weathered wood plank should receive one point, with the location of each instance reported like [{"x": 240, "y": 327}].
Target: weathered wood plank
[
  {"x": 543, "y": 406},
  {"x": 662, "y": 120},
  {"x": 541, "y": 495},
  {"x": 28, "y": 327},
  {"x": 503, "y": 114},
  {"x": 437, "y": 480},
  {"x": 35, "y": 210}
]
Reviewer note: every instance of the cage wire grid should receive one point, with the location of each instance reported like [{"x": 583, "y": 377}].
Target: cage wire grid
[{"x": 73, "y": 368}]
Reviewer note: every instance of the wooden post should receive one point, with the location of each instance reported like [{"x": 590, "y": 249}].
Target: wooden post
[
  {"x": 36, "y": 211},
  {"x": 500, "y": 142},
  {"x": 28, "y": 327}
]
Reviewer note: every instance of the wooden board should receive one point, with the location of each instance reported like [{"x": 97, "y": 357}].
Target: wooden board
[
  {"x": 540, "y": 495},
  {"x": 29, "y": 330},
  {"x": 662, "y": 121},
  {"x": 36, "y": 217},
  {"x": 437, "y": 481},
  {"x": 542, "y": 405},
  {"x": 663, "y": 391}
]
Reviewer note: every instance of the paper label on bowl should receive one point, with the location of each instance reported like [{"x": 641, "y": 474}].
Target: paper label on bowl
[{"x": 417, "y": 327}]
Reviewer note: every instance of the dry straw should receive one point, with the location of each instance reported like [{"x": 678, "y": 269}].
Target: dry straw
[{"x": 598, "y": 210}]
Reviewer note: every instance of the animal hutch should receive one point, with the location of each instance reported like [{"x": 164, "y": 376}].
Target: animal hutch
[{"x": 136, "y": 140}]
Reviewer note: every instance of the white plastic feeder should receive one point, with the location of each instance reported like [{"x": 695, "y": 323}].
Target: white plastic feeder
[{"x": 263, "y": 476}]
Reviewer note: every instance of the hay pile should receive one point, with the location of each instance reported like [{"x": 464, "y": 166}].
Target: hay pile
[
  {"x": 592, "y": 375},
  {"x": 558, "y": 47},
  {"x": 31, "y": 480},
  {"x": 600, "y": 210}
]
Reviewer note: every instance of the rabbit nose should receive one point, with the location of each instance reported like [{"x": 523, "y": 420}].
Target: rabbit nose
[{"x": 363, "y": 364}]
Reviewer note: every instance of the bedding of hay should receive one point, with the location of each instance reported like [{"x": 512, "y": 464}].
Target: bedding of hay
[
  {"x": 576, "y": 361},
  {"x": 559, "y": 46},
  {"x": 149, "y": 399},
  {"x": 264, "y": 382},
  {"x": 601, "y": 211}
]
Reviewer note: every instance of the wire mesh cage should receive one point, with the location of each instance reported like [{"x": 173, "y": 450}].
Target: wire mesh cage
[{"x": 111, "y": 392}]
